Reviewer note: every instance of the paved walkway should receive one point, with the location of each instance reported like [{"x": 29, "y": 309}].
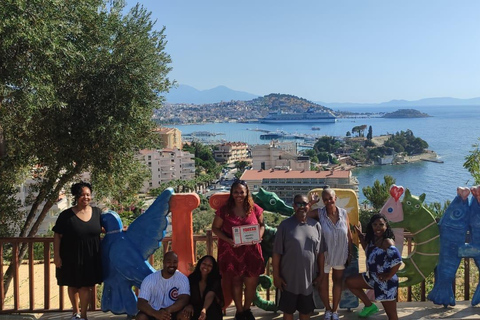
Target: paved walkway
[{"x": 406, "y": 310}]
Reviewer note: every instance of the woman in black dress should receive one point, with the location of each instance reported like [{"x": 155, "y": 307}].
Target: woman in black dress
[
  {"x": 206, "y": 295},
  {"x": 76, "y": 249}
]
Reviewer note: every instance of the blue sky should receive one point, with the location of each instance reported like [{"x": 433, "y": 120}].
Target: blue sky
[{"x": 331, "y": 51}]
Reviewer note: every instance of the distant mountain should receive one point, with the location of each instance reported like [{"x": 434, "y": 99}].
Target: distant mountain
[
  {"x": 188, "y": 94},
  {"x": 446, "y": 101}
]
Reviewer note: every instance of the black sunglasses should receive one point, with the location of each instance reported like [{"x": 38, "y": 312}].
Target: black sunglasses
[{"x": 301, "y": 204}]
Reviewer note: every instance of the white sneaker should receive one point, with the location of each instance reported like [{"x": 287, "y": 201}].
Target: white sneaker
[
  {"x": 76, "y": 316},
  {"x": 328, "y": 315},
  {"x": 335, "y": 316}
]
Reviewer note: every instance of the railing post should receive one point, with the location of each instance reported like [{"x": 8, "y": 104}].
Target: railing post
[
  {"x": 210, "y": 242},
  {"x": 31, "y": 275},
  {"x": 2, "y": 291},
  {"x": 466, "y": 279},
  {"x": 409, "y": 250},
  {"x": 16, "y": 293},
  {"x": 46, "y": 276}
]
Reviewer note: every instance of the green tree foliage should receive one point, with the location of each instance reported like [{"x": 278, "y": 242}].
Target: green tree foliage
[
  {"x": 370, "y": 133},
  {"x": 378, "y": 194},
  {"x": 203, "y": 217},
  {"x": 119, "y": 189},
  {"x": 311, "y": 153},
  {"x": 79, "y": 82},
  {"x": 359, "y": 153},
  {"x": 327, "y": 144},
  {"x": 273, "y": 219},
  {"x": 359, "y": 130},
  {"x": 472, "y": 163},
  {"x": 405, "y": 141},
  {"x": 204, "y": 160},
  {"x": 240, "y": 166},
  {"x": 437, "y": 209}
]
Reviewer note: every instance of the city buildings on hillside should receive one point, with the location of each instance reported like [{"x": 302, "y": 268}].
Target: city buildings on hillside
[
  {"x": 230, "y": 152},
  {"x": 167, "y": 165},
  {"x": 171, "y": 137},
  {"x": 278, "y": 156},
  {"x": 287, "y": 183}
]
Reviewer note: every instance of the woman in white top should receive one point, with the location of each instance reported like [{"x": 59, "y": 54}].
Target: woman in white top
[{"x": 338, "y": 239}]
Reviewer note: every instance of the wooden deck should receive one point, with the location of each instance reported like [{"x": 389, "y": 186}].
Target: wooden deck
[{"x": 406, "y": 310}]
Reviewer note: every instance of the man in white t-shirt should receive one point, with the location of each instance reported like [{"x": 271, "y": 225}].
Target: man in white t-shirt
[{"x": 163, "y": 293}]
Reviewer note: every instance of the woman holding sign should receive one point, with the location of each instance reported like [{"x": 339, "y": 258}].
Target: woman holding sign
[{"x": 239, "y": 227}]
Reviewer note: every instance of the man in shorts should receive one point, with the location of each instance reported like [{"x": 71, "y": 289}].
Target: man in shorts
[
  {"x": 163, "y": 293},
  {"x": 298, "y": 260}
]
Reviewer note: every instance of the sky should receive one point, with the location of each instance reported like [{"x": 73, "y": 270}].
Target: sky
[{"x": 363, "y": 51}]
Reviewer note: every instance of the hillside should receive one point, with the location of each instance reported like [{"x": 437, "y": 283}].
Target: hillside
[
  {"x": 284, "y": 102},
  {"x": 234, "y": 110}
]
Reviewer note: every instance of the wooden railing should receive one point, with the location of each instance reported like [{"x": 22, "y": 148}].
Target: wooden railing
[{"x": 9, "y": 250}]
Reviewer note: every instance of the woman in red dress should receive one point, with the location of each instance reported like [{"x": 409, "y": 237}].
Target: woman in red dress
[{"x": 243, "y": 264}]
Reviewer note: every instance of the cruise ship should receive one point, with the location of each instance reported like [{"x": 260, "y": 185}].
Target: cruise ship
[{"x": 309, "y": 116}]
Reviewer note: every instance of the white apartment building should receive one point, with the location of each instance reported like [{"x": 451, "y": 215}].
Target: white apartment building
[
  {"x": 278, "y": 156},
  {"x": 231, "y": 152},
  {"x": 167, "y": 165},
  {"x": 287, "y": 183}
]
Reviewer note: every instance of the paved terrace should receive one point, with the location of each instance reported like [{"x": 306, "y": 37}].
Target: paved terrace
[{"x": 406, "y": 310}]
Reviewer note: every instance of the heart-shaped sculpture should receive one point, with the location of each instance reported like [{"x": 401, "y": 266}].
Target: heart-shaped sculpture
[
  {"x": 463, "y": 192},
  {"x": 396, "y": 191}
]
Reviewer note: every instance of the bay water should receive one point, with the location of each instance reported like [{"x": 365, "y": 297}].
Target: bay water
[{"x": 450, "y": 132}]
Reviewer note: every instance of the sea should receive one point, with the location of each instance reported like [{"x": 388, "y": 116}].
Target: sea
[{"x": 451, "y": 132}]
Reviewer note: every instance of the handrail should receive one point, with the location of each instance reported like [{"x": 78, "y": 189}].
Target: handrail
[{"x": 9, "y": 248}]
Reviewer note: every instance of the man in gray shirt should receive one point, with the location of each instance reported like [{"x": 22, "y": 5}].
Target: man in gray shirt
[{"x": 298, "y": 260}]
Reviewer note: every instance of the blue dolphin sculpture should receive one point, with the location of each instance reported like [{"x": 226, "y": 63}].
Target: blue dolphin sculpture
[
  {"x": 474, "y": 245},
  {"x": 453, "y": 228}
]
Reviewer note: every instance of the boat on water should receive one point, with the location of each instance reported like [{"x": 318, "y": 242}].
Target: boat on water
[
  {"x": 309, "y": 116},
  {"x": 204, "y": 134},
  {"x": 315, "y": 128},
  {"x": 279, "y": 134}
]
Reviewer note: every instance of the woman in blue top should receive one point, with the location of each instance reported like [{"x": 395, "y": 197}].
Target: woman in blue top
[{"x": 383, "y": 262}]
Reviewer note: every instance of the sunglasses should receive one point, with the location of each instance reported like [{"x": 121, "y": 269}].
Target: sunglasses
[
  {"x": 242, "y": 182},
  {"x": 301, "y": 204}
]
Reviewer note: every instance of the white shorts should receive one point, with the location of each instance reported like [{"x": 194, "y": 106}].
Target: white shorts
[{"x": 326, "y": 268}]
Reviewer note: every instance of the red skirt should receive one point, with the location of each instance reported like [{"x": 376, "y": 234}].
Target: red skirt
[{"x": 246, "y": 261}]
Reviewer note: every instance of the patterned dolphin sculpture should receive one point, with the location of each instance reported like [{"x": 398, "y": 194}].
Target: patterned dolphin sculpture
[
  {"x": 453, "y": 228},
  {"x": 474, "y": 245}
]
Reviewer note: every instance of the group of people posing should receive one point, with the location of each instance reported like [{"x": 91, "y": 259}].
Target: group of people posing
[
  {"x": 314, "y": 243},
  {"x": 308, "y": 247}
]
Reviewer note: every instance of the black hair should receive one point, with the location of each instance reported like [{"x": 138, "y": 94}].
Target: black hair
[
  {"x": 77, "y": 188},
  {"x": 213, "y": 276},
  {"x": 248, "y": 203},
  {"x": 298, "y": 196},
  {"x": 370, "y": 236}
]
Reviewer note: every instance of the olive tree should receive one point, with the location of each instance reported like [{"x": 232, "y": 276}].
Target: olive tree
[{"x": 79, "y": 82}]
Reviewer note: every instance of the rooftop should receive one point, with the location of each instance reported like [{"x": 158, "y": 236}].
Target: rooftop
[{"x": 294, "y": 174}]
